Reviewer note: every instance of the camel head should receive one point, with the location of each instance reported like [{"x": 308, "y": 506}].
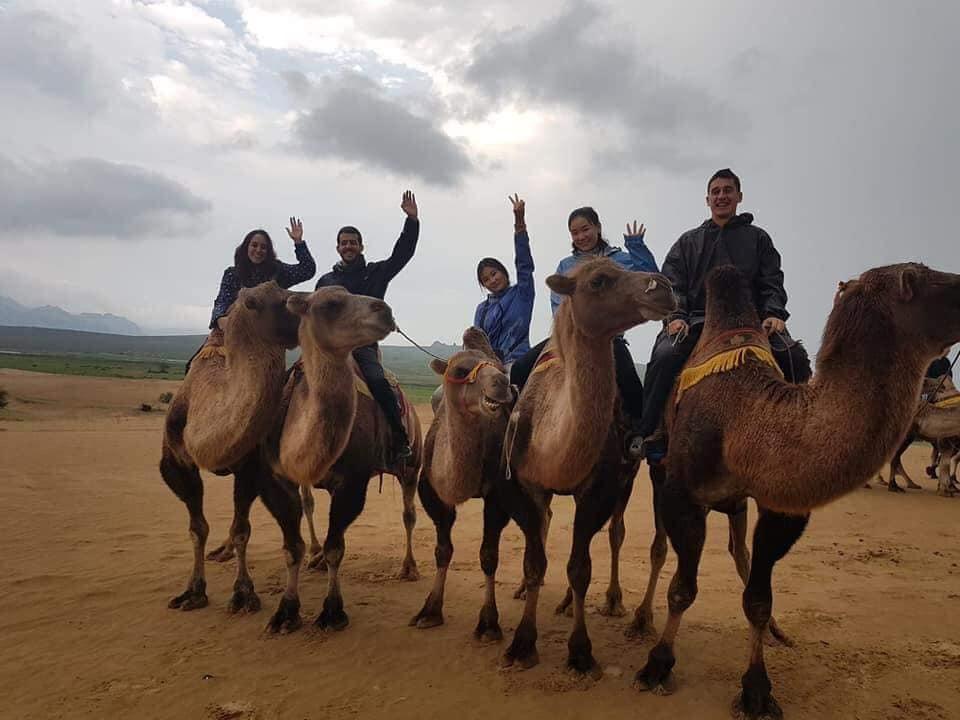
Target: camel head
[
  {"x": 474, "y": 383},
  {"x": 337, "y": 321},
  {"x": 919, "y": 304},
  {"x": 261, "y": 312},
  {"x": 605, "y": 300}
]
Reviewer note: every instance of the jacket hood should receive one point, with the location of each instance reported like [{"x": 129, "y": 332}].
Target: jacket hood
[{"x": 358, "y": 264}]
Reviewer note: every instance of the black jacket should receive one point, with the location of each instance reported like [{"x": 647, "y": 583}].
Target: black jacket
[
  {"x": 738, "y": 243},
  {"x": 371, "y": 278}
]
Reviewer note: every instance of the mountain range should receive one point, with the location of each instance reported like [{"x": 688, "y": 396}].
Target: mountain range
[{"x": 14, "y": 314}]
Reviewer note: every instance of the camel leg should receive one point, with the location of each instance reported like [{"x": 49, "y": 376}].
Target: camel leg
[
  {"x": 773, "y": 537},
  {"x": 934, "y": 461},
  {"x": 686, "y": 526},
  {"x": 316, "y": 561},
  {"x": 408, "y": 485},
  {"x": 443, "y": 516},
  {"x": 282, "y": 499},
  {"x": 896, "y": 467},
  {"x": 943, "y": 476},
  {"x": 346, "y": 504},
  {"x": 642, "y": 624},
  {"x": 613, "y": 605},
  {"x": 594, "y": 508},
  {"x": 531, "y": 516},
  {"x": 495, "y": 519},
  {"x": 521, "y": 591},
  {"x": 187, "y": 485},
  {"x": 244, "y": 493}
]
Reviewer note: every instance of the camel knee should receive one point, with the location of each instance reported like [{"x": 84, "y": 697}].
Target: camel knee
[
  {"x": 757, "y": 606},
  {"x": 578, "y": 574},
  {"x": 443, "y": 554},
  {"x": 409, "y": 517},
  {"x": 658, "y": 550},
  {"x": 489, "y": 560},
  {"x": 681, "y": 595}
]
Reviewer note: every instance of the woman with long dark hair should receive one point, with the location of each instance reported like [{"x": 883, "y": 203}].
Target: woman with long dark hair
[
  {"x": 255, "y": 262},
  {"x": 505, "y": 314}
]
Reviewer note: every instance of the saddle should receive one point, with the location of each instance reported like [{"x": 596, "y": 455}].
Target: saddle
[{"x": 723, "y": 353}]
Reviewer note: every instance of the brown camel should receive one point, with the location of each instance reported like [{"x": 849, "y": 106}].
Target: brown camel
[
  {"x": 937, "y": 420},
  {"x": 225, "y": 407},
  {"x": 462, "y": 460},
  {"x": 748, "y": 433},
  {"x": 329, "y": 437},
  {"x": 564, "y": 439}
]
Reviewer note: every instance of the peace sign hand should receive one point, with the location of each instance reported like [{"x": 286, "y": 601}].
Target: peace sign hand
[
  {"x": 635, "y": 231},
  {"x": 295, "y": 231},
  {"x": 409, "y": 204}
]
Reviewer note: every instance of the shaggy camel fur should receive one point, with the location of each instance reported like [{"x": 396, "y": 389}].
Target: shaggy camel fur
[
  {"x": 222, "y": 411},
  {"x": 793, "y": 448},
  {"x": 324, "y": 439},
  {"x": 462, "y": 460},
  {"x": 563, "y": 438}
]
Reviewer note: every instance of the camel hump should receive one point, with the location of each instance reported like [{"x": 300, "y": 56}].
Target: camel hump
[{"x": 729, "y": 300}]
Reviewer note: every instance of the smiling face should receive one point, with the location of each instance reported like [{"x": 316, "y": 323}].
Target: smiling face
[
  {"x": 493, "y": 279},
  {"x": 349, "y": 246},
  {"x": 258, "y": 249},
  {"x": 584, "y": 234},
  {"x": 722, "y": 199}
]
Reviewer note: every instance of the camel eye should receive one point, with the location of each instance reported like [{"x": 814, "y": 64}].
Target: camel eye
[
  {"x": 601, "y": 281},
  {"x": 330, "y": 307},
  {"x": 460, "y": 373}
]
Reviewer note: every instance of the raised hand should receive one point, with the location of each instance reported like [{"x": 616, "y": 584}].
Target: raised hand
[
  {"x": 774, "y": 325},
  {"x": 295, "y": 231},
  {"x": 409, "y": 204},
  {"x": 635, "y": 231},
  {"x": 518, "y": 205}
]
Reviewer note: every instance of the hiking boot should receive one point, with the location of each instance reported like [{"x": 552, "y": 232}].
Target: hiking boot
[
  {"x": 401, "y": 446},
  {"x": 652, "y": 448}
]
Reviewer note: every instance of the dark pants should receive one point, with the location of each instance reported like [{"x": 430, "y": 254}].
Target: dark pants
[
  {"x": 368, "y": 359},
  {"x": 628, "y": 381},
  {"x": 667, "y": 359}
]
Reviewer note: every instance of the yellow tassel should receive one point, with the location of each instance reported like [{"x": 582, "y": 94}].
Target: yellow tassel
[
  {"x": 724, "y": 362},
  {"x": 947, "y": 402}
]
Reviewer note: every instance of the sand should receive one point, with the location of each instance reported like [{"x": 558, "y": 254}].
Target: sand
[{"x": 94, "y": 545}]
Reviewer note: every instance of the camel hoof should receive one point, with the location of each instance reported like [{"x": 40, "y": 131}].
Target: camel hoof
[
  {"x": 287, "y": 617},
  {"x": 945, "y": 493},
  {"x": 424, "y": 621},
  {"x": 641, "y": 627},
  {"x": 221, "y": 554},
  {"x": 663, "y": 687},
  {"x": 488, "y": 625},
  {"x": 520, "y": 593},
  {"x": 911, "y": 485},
  {"x": 765, "y": 709},
  {"x": 332, "y": 617},
  {"x": 244, "y": 599},
  {"x": 612, "y": 609},
  {"x": 523, "y": 650},
  {"x": 774, "y": 635},
  {"x": 893, "y": 487},
  {"x": 193, "y": 598},
  {"x": 523, "y": 662},
  {"x": 867, "y": 486},
  {"x": 317, "y": 562},
  {"x": 581, "y": 662},
  {"x": 409, "y": 572}
]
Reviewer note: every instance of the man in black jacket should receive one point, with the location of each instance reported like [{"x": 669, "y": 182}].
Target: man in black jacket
[
  {"x": 725, "y": 239},
  {"x": 372, "y": 278}
]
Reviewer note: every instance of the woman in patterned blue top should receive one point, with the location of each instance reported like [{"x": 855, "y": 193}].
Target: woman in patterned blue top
[
  {"x": 255, "y": 262},
  {"x": 505, "y": 315}
]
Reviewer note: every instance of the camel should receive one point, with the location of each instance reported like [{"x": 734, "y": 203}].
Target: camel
[
  {"x": 937, "y": 420},
  {"x": 746, "y": 432},
  {"x": 563, "y": 437},
  {"x": 331, "y": 438},
  {"x": 220, "y": 414},
  {"x": 462, "y": 460}
]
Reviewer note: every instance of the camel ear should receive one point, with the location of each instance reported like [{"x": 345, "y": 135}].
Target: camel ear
[
  {"x": 252, "y": 303},
  {"x": 297, "y": 304},
  {"x": 909, "y": 279},
  {"x": 438, "y": 366},
  {"x": 561, "y": 284}
]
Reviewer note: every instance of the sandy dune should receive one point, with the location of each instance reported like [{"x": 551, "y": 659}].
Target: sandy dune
[{"x": 94, "y": 545}]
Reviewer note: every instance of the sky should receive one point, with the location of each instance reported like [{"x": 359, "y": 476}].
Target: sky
[{"x": 141, "y": 140}]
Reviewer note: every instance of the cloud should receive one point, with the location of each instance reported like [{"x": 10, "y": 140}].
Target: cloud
[
  {"x": 356, "y": 121},
  {"x": 95, "y": 198},
  {"x": 559, "y": 63},
  {"x": 46, "y": 54}
]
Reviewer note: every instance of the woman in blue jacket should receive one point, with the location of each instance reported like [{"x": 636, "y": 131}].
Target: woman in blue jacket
[
  {"x": 505, "y": 315},
  {"x": 588, "y": 242}
]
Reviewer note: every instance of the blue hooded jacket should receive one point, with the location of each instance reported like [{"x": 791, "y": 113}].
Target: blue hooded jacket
[
  {"x": 505, "y": 317},
  {"x": 637, "y": 257}
]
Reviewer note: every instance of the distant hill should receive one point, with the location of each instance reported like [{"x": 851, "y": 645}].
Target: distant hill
[{"x": 49, "y": 316}]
